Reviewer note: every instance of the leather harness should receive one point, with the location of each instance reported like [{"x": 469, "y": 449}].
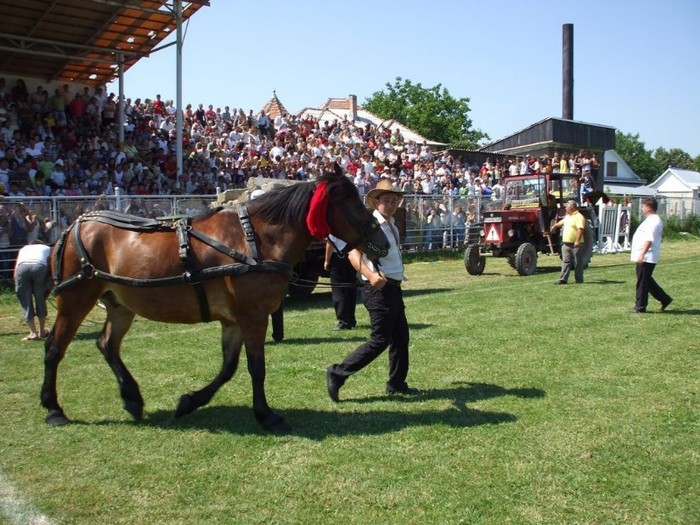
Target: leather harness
[{"x": 192, "y": 275}]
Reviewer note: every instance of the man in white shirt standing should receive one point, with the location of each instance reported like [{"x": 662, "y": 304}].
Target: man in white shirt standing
[
  {"x": 384, "y": 301},
  {"x": 646, "y": 249}
]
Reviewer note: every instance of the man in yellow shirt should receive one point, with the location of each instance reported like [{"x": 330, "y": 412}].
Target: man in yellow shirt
[{"x": 574, "y": 226}]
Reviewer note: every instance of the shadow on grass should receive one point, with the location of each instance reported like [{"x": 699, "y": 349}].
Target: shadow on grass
[
  {"x": 424, "y": 291},
  {"x": 295, "y": 341},
  {"x": 690, "y": 311},
  {"x": 359, "y": 334},
  {"x": 87, "y": 336},
  {"x": 321, "y": 424},
  {"x": 605, "y": 281},
  {"x": 545, "y": 269},
  {"x": 323, "y": 300},
  {"x": 464, "y": 393}
]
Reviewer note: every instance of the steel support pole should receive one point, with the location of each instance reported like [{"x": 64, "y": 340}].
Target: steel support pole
[{"x": 178, "y": 96}]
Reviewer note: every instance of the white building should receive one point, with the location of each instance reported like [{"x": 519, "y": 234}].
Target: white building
[
  {"x": 619, "y": 179},
  {"x": 681, "y": 188}
]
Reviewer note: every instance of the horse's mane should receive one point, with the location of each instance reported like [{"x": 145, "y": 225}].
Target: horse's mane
[
  {"x": 290, "y": 205},
  {"x": 287, "y": 205}
]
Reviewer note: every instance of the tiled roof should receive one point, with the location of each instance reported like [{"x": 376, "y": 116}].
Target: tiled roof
[{"x": 274, "y": 108}]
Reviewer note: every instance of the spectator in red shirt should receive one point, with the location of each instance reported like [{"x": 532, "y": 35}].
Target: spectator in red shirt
[
  {"x": 77, "y": 108},
  {"x": 158, "y": 109},
  {"x": 210, "y": 114}
]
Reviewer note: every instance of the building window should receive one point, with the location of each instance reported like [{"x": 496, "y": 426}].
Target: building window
[{"x": 611, "y": 169}]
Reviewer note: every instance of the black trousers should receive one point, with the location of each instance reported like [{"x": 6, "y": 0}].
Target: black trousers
[
  {"x": 343, "y": 289},
  {"x": 387, "y": 315},
  {"x": 647, "y": 285}
]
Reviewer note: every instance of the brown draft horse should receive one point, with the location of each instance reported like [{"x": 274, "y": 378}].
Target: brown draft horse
[{"x": 137, "y": 270}]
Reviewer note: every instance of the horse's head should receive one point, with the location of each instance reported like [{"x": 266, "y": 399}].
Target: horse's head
[{"x": 349, "y": 219}]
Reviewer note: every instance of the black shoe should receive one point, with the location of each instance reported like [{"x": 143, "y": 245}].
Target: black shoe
[
  {"x": 341, "y": 326},
  {"x": 403, "y": 391},
  {"x": 333, "y": 384},
  {"x": 665, "y": 305},
  {"x": 638, "y": 311}
]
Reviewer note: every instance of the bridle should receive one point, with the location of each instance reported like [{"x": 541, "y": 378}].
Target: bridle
[{"x": 365, "y": 231}]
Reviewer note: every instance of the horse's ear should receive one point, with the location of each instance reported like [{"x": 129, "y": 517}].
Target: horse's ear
[{"x": 337, "y": 169}]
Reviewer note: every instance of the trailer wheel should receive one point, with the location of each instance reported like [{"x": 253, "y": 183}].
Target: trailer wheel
[
  {"x": 473, "y": 261},
  {"x": 526, "y": 259}
]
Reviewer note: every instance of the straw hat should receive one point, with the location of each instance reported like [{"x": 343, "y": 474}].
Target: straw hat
[{"x": 383, "y": 186}]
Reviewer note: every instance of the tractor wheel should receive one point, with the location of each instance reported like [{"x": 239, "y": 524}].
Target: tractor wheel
[
  {"x": 473, "y": 261},
  {"x": 526, "y": 259},
  {"x": 511, "y": 259}
]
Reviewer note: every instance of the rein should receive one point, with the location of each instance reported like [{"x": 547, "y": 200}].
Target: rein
[{"x": 308, "y": 283}]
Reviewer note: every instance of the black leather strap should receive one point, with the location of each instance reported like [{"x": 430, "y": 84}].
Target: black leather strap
[{"x": 248, "y": 230}]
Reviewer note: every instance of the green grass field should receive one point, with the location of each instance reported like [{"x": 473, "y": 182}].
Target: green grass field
[{"x": 542, "y": 404}]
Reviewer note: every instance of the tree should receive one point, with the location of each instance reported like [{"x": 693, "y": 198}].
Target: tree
[
  {"x": 675, "y": 158},
  {"x": 432, "y": 112},
  {"x": 632, "y": 150}
]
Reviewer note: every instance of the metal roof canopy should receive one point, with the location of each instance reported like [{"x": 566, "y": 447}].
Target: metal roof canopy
[
  {"x": 81, "y": 41},
  {"x": 91, "y": 42}
]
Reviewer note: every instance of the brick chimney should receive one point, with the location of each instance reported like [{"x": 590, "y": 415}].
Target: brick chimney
[
  {"x": 567, "y": 111},
  {"x": 352, "y": 99}
]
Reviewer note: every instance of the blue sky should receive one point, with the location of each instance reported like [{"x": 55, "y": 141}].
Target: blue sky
[{"x": 636, "y": 64}]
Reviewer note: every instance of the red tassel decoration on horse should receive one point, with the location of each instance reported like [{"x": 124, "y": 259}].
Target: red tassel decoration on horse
[{"x": 317, "y": 219}]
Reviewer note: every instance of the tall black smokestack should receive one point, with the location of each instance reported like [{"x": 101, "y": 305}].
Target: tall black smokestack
[{"x": 567, "y": 103}]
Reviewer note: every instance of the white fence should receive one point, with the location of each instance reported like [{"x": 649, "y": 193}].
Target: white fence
[{"x": 613, "y": 232}]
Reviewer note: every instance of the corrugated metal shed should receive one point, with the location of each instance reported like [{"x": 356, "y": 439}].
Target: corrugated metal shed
[{"x": 551, "y": 134}]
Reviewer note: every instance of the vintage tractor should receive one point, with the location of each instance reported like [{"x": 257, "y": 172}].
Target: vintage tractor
[{"x": 518, "y": 226}]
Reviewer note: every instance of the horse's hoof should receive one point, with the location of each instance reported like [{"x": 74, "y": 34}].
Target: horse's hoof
[
  {"x": 135, "y": 409},
  {"x": 56, "y": 418},
  {"x": 185, "y": 406},
  {"x": 276, "y": 424}
]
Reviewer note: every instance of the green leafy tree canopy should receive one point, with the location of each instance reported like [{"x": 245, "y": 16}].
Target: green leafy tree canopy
[
  {"x": 649, "y": 165},
  {"x": 632, "y": 150},
  {"x": 675, "y": 157},
  {"x": 432, "y": 112}
]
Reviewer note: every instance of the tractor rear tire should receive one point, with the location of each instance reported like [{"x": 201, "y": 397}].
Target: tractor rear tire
[
  {"x": 473, "y": 261},
  {"x": 526, "y": 259}
]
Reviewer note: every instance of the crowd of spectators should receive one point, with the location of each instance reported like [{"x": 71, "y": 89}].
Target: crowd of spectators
[{"x": 67, "y": 144}]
